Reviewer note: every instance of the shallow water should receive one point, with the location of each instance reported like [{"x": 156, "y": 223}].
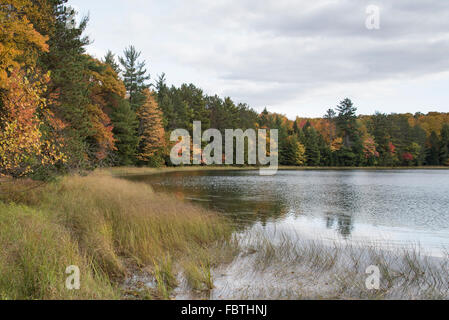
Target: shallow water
[{"x": 391, "y": 208}]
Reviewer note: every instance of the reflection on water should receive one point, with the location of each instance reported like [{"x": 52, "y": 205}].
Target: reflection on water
[
  {"x": 409, "y": 206},
  {"x": 225, "y": 192}
]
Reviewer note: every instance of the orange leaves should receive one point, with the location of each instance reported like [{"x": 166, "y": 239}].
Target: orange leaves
[
  {"x": 105, "y": 84},
  {"x": 369, "y": 147},
  {"x": 102, "y": 132},
  {"x": 106, "y": 81},
  {"x": 19, "y": 41},
  {"x": 22, "y": 143}
]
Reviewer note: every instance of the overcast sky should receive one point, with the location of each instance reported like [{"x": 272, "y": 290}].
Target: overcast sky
[{"x": 296, "y": 57}]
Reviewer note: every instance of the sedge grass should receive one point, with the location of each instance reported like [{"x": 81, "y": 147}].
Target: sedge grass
[{"x": 108, "y": 227}]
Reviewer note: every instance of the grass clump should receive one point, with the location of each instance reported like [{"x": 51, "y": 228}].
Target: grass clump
[
  {"x": 163, "y": 273},
  {"x": 34, "y": 254}
]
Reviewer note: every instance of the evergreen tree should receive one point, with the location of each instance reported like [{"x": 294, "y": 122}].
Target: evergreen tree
[
  {"x": 70, "y": 71},
  {"x": 325, "y": 152},
  {"x": 330, "y": 118},
  {"x": 293, "y": 153},
  {"x": 296, "y": 128},
  {"x": 125, "y": 125},
  {"x": 164, "y": 99},
  {"x": 433, "y": 150},
  {"x": 134, "y": 76},
  {"x": 109, "y": 59},
  {"x": 264, "y": 120},
  {"x": 346, "y": 121},
  {"x": 194, "y": 106},
  {"x": 313, "y": 154},
  {"x": 419, "y": 138},
  {"x": 444, "y": 145}
]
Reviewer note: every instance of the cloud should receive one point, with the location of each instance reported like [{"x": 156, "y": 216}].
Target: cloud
[{"x": 281, "y": 52}]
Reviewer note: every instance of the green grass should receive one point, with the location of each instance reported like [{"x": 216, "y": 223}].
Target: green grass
[
  {"x": 108, "y": 227},
  {"x": 34, "y": 255}
]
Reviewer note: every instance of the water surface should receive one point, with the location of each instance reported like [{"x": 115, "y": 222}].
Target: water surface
[{"x": 391, "y": 208}]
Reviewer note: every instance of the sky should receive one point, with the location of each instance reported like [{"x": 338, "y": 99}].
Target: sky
[{"x": 295, "y": 57}]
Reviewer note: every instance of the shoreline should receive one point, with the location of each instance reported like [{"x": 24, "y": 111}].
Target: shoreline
[
  {"x": 130, "y": 171},
  {"x": 187, "y": 251}
]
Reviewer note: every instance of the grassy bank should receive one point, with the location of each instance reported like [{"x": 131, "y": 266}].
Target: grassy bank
[{"x": 110, "y": 228}]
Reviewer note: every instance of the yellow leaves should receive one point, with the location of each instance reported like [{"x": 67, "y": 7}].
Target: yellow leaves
[
  {"x": 106, "y": 80},
  {"x": 20, "y": 42},
  {"x": 152, "y": 133},
  {"x": 16, "y": 145},
  {"x": 337, "y": 144},
  {"x": 22, "y": 144}
]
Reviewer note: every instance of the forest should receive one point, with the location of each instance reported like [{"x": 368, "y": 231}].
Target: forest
[{"x": 63, "y": 110}]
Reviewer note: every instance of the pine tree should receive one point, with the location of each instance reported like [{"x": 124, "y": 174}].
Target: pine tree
[
  {"x": 312, "y": 147},
  {"x": 70, "y": 70},
  {"x": 444, "y": 145},
  {"x": 293, "y": 153},
  {"x": 433, "y": 150},
  {"x": 165, "y": 101},
  {"x": 151, "y": 131},
  {"x": 346, "y": 121},
  {"x": 296, "y": 128},
  {"x": 134, "y": 76},
  {"x": 330, "y": 117},
  {"x": 125, "y": 125},
  {"x": 109, "y": 59}
]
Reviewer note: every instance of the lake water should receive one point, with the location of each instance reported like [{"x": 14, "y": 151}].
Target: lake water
[{"x": 390, "y": 208}]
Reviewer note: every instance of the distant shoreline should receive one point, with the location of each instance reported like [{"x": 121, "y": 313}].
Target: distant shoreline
[{"x": 127, "y": 171}]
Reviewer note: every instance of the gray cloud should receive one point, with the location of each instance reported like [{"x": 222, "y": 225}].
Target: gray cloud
[
  {"x": 273, "y": 52},
  {"x": 309, "y": 44}
]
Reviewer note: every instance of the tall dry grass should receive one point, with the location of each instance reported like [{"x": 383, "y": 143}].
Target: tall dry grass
[{"x": 108, "y": 227}]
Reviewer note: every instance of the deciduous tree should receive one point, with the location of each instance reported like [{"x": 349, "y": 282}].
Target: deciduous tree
[{"x": 151, "y": 131}]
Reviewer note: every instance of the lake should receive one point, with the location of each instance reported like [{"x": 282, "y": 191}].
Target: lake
[{"x": 390, "y": 208}]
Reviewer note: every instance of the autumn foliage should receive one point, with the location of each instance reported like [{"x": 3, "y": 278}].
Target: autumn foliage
[
  {"x": 20, "y": 43},
  {"x": 24, "y": 116},
  {"x": 151, "y": 131},
  {"x": 64, "y": 110}
]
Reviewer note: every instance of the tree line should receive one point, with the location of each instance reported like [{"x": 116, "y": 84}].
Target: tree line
[{"x": 62, "y": 109}]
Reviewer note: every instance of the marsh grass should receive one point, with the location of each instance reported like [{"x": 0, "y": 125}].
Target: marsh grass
[
  {"x": 22, "y": 191},
  {"x": 34, "y": 254},
  {"x": 293, "y": 268},
  {"x": 102, "y": 224}
]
